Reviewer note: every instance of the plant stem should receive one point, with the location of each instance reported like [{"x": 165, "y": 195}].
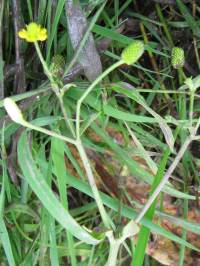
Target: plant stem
[
  {"x": 184, "y": 233},
  {"x": 92, "y": 182},
  {"x": 191, "y": 106},
  {"x": 48, "y": 132},
  {"x": 88, "y": 90},
  {"x": 67, "y": 122},
  {"x": 164, "y": 24},
  {"x": 78, "y": 142},
  {"x": 153, "y": 61},
  {"x": 1, "y": 52},
  {"x": 167, "y": 175},
  {"x": 80, "y": 147},
  {"x": 54, "y": 86},
  {"x": 86, "y": 164},
  {"x": 44, "y": 64},
  {"x": 113, "y": 252}
]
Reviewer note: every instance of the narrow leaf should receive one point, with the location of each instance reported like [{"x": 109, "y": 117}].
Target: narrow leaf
[{"x": 40, "y": 187}]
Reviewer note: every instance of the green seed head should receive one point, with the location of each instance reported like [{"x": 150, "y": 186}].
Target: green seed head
[
  {"x": 133, "y": 52},
  {"x": 177, "y": 57},
  {"x": 57, "y": 65}
]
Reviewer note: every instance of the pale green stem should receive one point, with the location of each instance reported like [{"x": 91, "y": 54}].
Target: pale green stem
[
  {"x": 92, "y": 182},
  {"x": 88, "y": 90},
  {"x": 168, "y": 173},
  {"x": 54, "y": 86},
  {"x": 85, "y": 161},
  {"x": 68, "y": 123},
  {"x": 48, "y": 132},
  {"x": 44, "y": 64},
  {"x": 81, "y": 150},
  {"x": 191, "y": 107},
  {"x": 78, "y": 142},
  {"x": 113, "y": 252}
]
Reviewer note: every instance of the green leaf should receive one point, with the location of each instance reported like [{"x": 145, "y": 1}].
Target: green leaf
[
  {"x": 140, "y": 100},
  {"x": 134, "y": 167},
  {"x": 128, "y": 211},
  {"x": 54, "y": 26},
  {"x": 40, "y": 187},
  {"x": 189, "y": 18},
  {"x": 125, "y": 116},
  {"x": 4, "y": 237},
  {"x": 144, "y": 231}
]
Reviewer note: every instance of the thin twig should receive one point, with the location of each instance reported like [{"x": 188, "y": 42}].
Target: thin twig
[
  {"x": 19, "y": 82},
  {"x": 168, "y": 173},
  {"x": 1, "y": 51}
]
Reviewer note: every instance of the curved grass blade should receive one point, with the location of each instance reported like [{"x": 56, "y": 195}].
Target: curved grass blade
[
  {"x": 40, "y": 187},
  {"x": 54, "y": 26},
  {"x": 4, "y": 237},
  {"x": 134, "y": 167},
  {"x": 189, "y": 18},
  {"x": 134, "y": 95},
  {"x": 129, "y": 212},
  {"x": 144, "y": 231}
]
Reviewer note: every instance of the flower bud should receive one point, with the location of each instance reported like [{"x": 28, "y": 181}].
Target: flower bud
[
  {"x": 13, "y": 111},
  {"x": 133, "y": 52},
  {"x": 177, "y": 57}
]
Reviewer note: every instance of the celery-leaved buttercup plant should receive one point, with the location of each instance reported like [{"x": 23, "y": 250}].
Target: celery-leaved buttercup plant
[{"x": 130, "y": 55}]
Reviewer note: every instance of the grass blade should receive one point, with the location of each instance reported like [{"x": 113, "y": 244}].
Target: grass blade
[
  {"x": 140, "y": 100},
  {"x": 4, "y": 237},
  {"x": 128, "y": 212},
  {"x": 144, "y": 231},
  {"x": 54, "y": 26},
  {"x": 58, "y": 159},
  {"x": 188, "y": 17},
  {"x": 38, "y": 184}
]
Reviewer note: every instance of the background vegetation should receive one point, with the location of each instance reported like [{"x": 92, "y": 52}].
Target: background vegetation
[{"x": 136, "y": 125}]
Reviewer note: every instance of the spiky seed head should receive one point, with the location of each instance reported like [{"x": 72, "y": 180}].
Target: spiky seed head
[
  {"x": 57, "y": 65},
  {"x": 133, "y": 52},
  {"x": 177, "y": 57}
]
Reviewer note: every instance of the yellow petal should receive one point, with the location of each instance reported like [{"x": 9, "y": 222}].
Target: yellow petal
[
  {"x": 34, "y": 32},
  {"x": 42, "y": 35},
  {"x": 43, "y": 31},
  {"x": 30, "y": 38},
  {"x": 22, "y": 34},
  {"x": 33, "y": 28}
]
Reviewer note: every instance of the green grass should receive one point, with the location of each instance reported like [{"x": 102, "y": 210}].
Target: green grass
[{"x": 60, "y": 211}]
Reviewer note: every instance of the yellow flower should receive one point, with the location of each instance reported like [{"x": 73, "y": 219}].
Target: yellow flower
[{"x": 33, "y": 33}]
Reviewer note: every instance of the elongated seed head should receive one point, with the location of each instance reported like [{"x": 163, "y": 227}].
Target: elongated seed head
[
  {"x": 133, "y": 52},
  {"x": 177, "y": 57}
]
